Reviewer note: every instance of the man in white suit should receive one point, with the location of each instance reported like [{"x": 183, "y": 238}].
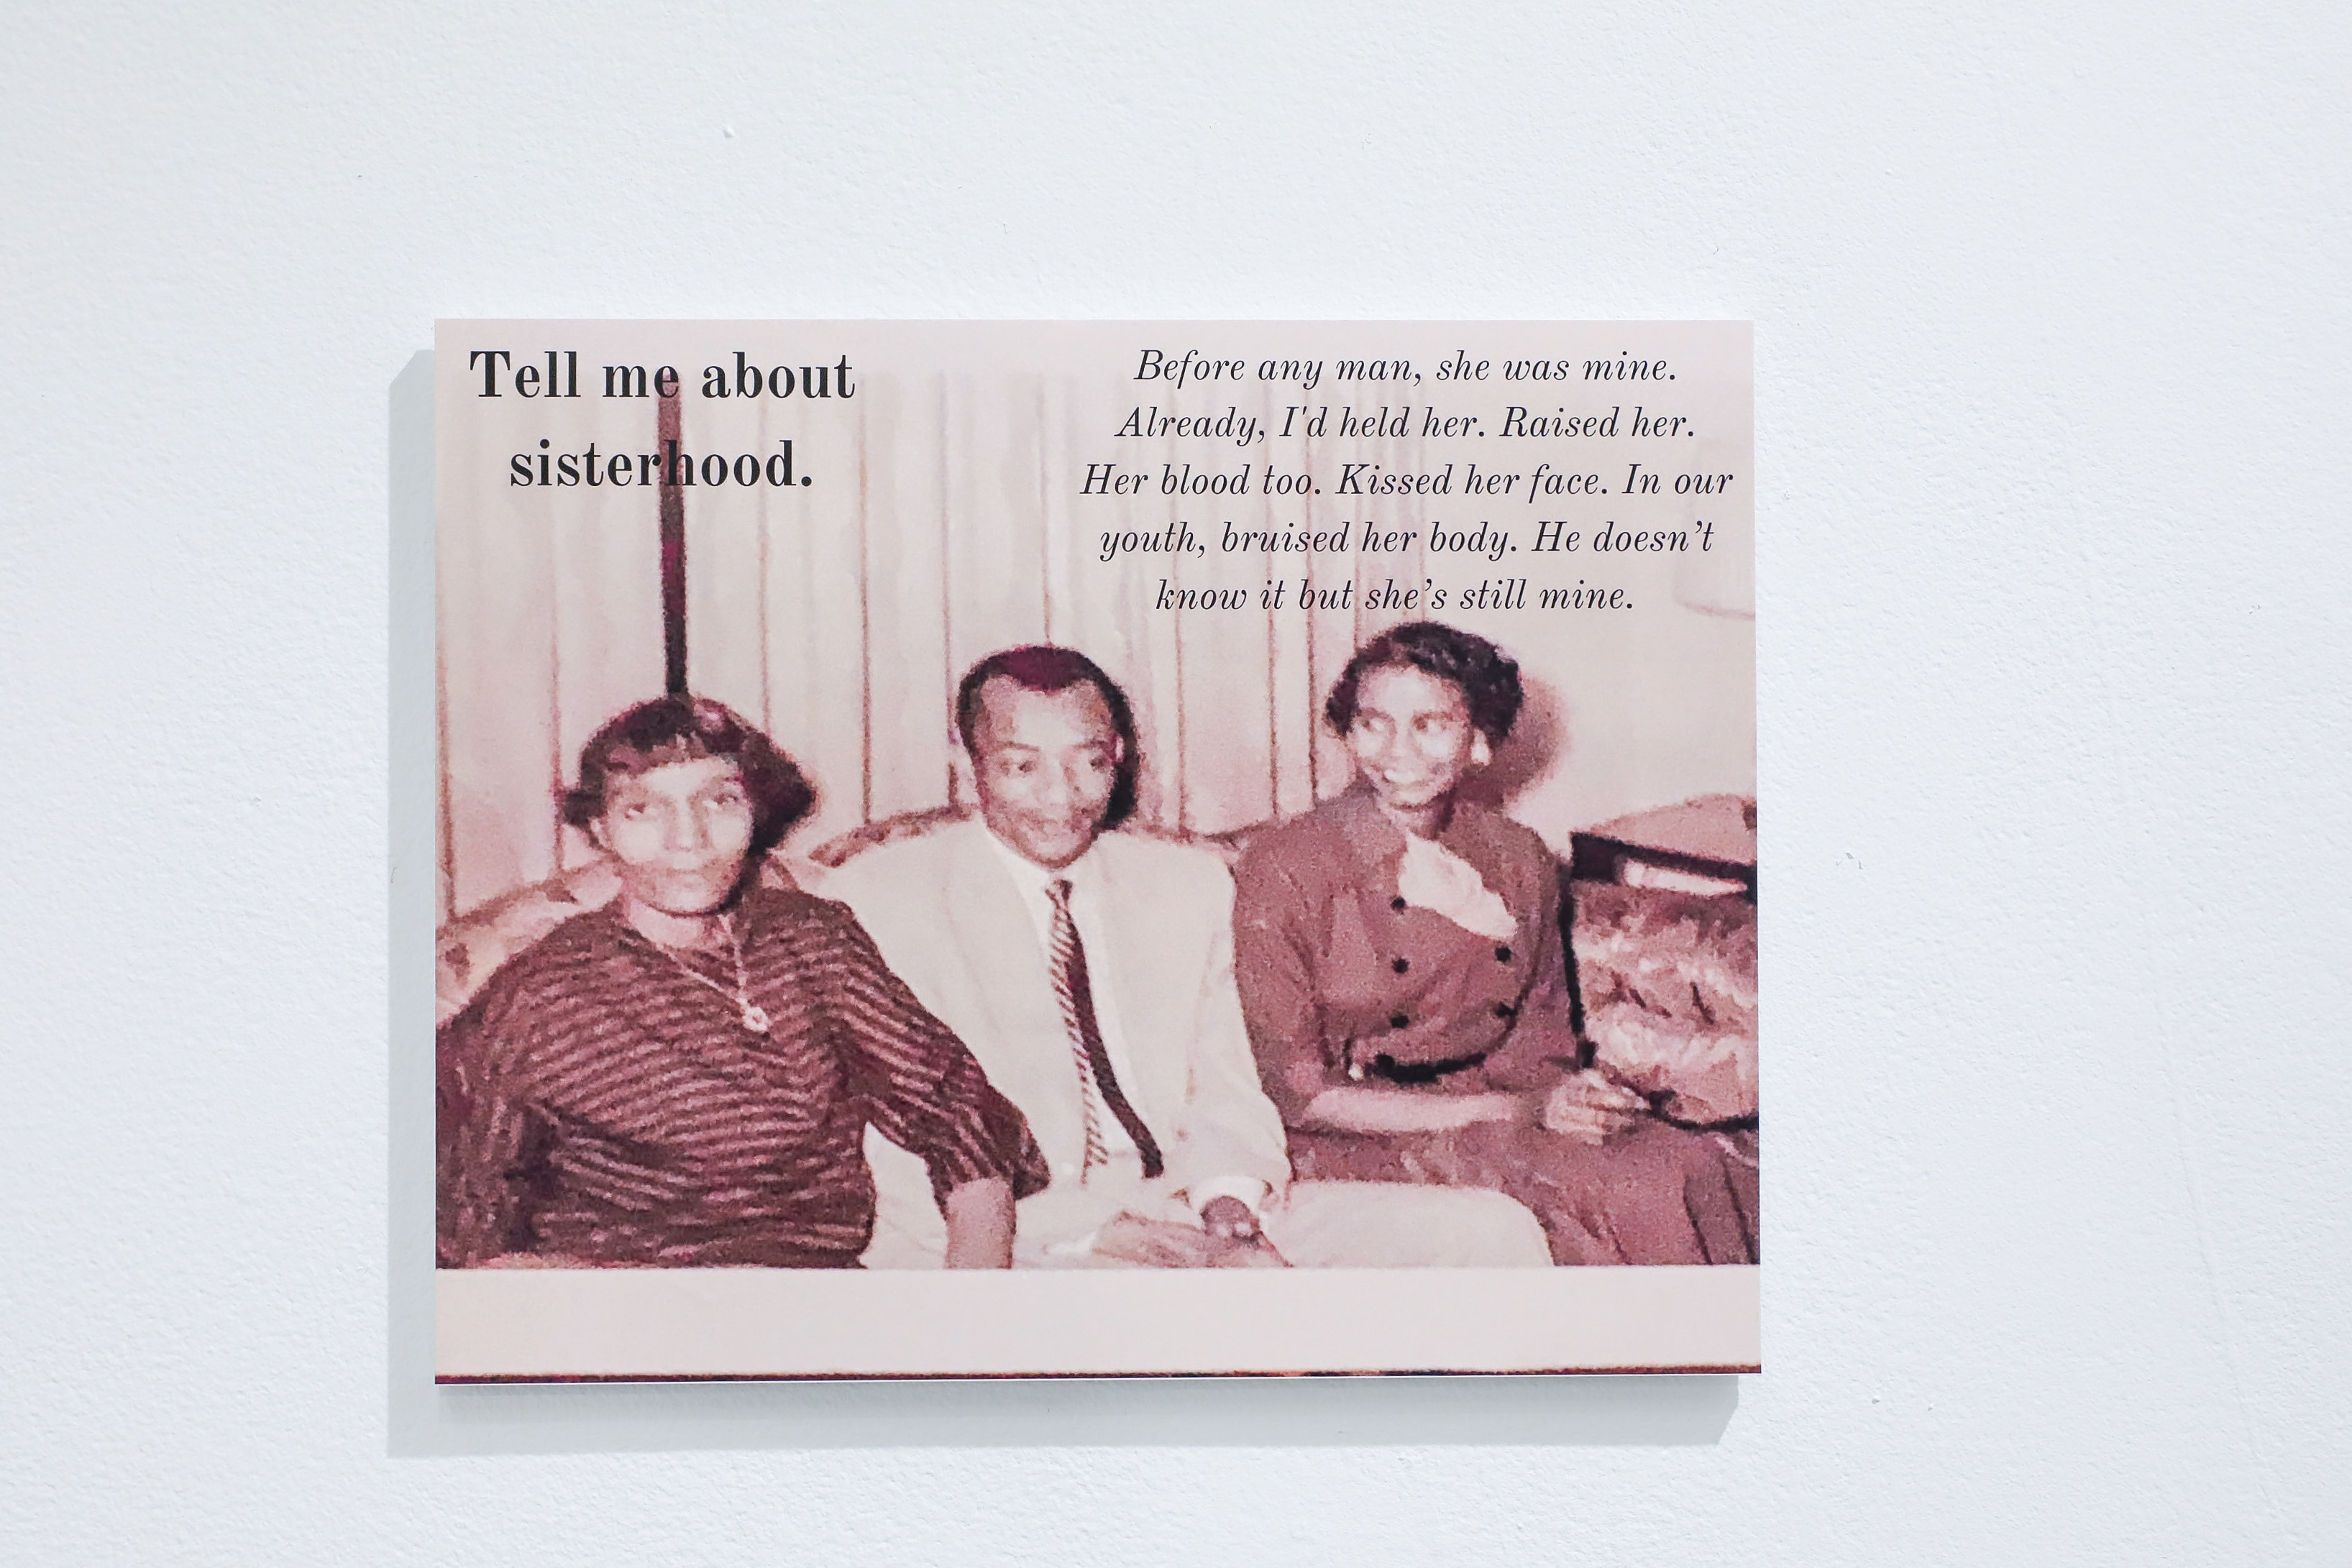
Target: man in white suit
[{"x": 1090, "y": 971}]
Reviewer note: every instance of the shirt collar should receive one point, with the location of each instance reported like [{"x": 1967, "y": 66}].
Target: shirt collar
[{"x": 1029, "y": 875}]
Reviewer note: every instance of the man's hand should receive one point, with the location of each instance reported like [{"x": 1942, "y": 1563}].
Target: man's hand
[
  {"x": 1591, "y": 1108},
  {"x": 1229, "y": 1220},
  {"x": 1169, "y": 1244},
  {"x": 1233, "y": 1222}
]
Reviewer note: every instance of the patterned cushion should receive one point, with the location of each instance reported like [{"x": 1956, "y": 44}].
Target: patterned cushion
[
  {"x": 1669, "y": 981},
  {"x": 835, "y": 853},
  {"x": 832, "y": 852}
]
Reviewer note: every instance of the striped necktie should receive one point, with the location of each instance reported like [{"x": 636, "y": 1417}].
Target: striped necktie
[{"x": 1077, "y": 998}]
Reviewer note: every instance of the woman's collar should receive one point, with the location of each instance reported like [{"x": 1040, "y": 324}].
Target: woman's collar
[{"x": 1378, "y": 841}]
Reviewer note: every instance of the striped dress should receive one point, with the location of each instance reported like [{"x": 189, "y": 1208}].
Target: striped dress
[{"x": 598, "y": 1103}]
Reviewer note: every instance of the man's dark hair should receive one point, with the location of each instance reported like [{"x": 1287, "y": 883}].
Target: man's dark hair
[
  {"x": 1042, "y": 667},
  {"x": 1488, "y": 677},
  {"x": 686, "y": 730}
]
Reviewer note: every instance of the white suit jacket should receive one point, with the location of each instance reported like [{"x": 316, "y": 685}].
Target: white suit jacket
[{"x": 951, "y": 923}]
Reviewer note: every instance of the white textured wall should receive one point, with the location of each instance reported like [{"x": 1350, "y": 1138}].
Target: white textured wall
[{"x": 2052, "y": 571}]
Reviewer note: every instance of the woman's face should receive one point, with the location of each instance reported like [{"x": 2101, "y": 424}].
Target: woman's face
[
  {"x": 1411, "y": 739},
  {"x": 680, "y": 833}
]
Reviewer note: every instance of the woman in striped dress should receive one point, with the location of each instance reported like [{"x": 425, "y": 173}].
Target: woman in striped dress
[{"x": 683, "y": 1078}]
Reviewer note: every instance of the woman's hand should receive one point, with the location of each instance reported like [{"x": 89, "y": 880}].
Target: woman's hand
[
  {"x": 1591, "y": 1108},
  {"x": 980, "y": 1224}
]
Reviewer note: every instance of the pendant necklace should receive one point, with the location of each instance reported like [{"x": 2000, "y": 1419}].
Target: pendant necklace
[{"x": 755, "y": 1017}]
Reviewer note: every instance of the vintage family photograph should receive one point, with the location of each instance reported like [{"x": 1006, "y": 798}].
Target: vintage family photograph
[{"x": 1247, "y": 830}]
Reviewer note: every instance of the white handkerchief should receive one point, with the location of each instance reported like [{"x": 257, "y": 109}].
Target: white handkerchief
[{"x": 1436, "y": 879}]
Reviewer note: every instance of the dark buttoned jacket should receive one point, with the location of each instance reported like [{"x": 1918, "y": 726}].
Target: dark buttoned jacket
[{"x": 1341, "y": 980}]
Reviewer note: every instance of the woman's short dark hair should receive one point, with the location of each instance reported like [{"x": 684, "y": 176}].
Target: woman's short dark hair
[
  {"x": 686, "y": 730},
  {"x": 1043, "y": 668},
  {"x": 1488, "y": 678}
]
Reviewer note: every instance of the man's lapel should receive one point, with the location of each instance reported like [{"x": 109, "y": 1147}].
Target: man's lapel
[{"x": 1006, "y": 967}]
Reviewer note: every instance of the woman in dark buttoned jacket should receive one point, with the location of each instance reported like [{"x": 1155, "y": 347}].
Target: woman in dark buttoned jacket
[{"x": 1402, "y": 975}]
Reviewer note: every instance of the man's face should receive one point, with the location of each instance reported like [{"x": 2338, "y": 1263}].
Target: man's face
[
  {"x": 680, "y": 832},
  {"x": 1045, "y": 763}
]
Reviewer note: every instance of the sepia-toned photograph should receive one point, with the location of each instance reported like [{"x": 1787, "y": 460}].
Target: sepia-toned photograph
[{"x": 1030, "y": 849}]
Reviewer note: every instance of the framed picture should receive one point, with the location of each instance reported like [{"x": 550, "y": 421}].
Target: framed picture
[{"x": 1085, "y": 848}]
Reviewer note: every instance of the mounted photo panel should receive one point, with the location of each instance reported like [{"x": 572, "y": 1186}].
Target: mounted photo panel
[{"x": 1010, "y": 848}]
